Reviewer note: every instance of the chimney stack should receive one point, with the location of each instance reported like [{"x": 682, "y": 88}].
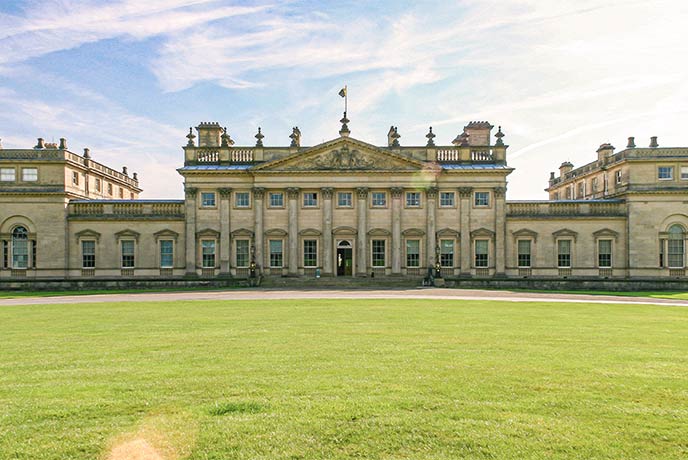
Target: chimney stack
[
  {"x": 124, "y": 171},
  {"x": 564, "y": 168},
  {"x": 40, "y": 144},
  {"x": 87, "y": 153},
  {"x": 653, "y": 142},
  {"x": 136, "y": 177},
  {"x": 631, "y": 143},
  {"x": 63, "y": 143},
  {"x": 605, "y": 151}
]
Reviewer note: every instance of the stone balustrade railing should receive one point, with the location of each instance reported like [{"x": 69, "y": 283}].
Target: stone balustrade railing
[
  {"x": 566, "y": 208},
  {"x": 130, "y": 209}
]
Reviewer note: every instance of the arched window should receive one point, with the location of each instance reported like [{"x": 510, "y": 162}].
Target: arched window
[
  {"x": 20, "y": 247},
  {"x": 676, "y": 246}
]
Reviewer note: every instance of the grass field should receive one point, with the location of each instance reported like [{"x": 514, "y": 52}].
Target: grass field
[{"x": 335, "y": 379}]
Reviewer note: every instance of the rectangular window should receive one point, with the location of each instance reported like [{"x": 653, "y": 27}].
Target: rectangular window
[
  {"x": 29, "y": 174},
  {"x": 5, "y": 254},
  {"x": 208, "y": 253},
  {"x": 447, "y": 253},
  {"x": 604, "y": 253},
  {"x": 378, "y": 247},
  {"x": 128, "y": 259},
  {"x": 482, "y": 198},
  {"x": 675, "y": 249},
  {"x": 344, "y": 199},
  {"x": 412, "y": 199},
  {"x": 88, "y": 254},
  {"x": 684, "y": 172},
  {"x": 665, "y": 173},
  {"x": 618, "y": 176},
  {"x": 594, "y": 185},
  {"x": 208, "y": 199},
  {"x": 447, "y": 199},
  {"x": 241, "y": 200},
  {"x": 481, "y": 255},
  {"x": 276, "y": 199},
  {"x": 310, "y": 199},
  {"x": 7, "y": 175},
  {"x": 524, "y": 253},
  {"x": 242, "y": 249},
  {"x": 110, "y": 189},
  {"x": 379, "y": 199},
  {"x": 564, "y": 253},
  {"x": 33, "y": 253},
  {"x": 413, "y": 253},
  {"x": 581, "y": 190},
  {"x": 75, "y": 178},
  {"x": 276, "y": 254},
  {"x": 310, "y": 253},
  {"x": 20, "y": 253},
  {"x": 166, "y": 254},
  {"x": 121, "y": 193},
  {"x": 97, "y": 182}
]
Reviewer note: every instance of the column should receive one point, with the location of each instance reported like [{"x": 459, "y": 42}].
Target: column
[
  {"x": 465, "y": 194},
  {"x": 191, "y": 205},
  {"x": 431, "y": 231},
  {"x": 327, "y": 193},
  {"x": 225, "y": 242},
  {"x": 259, "y": 231},
  {"x": 396, "y": 229},
  {"x": 362, "y": 231},
  {"x": 293, "y": 197},
  {"x": 500, "y": 230}
]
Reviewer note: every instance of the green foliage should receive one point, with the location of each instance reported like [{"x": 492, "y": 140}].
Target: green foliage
[{"x": 336, "y": 379}]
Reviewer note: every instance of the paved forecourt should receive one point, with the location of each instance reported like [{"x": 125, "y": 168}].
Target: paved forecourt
[{"x": 411, "y": 293}]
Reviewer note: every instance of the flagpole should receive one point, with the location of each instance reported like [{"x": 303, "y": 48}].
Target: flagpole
[{"x": 346, "y": 99}]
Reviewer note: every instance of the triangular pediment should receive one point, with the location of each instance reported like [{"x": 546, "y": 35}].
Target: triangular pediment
[{"x": 345, "y": 155}]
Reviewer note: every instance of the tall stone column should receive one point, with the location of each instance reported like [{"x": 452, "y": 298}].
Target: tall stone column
[
  {"x": 431, "y": 230},
  {"x": 465, "y": 194},
  {"x": 327, "y": 193},
  {"x": 500, "y": 230},
  {"x": 293, "y": 196},
  {"x": 190, "y": 215},
  {"x": 225, "y": 242},
  {"x": 259, "y": 231},
  {"x": 396, "y": 229},
  {"x": 362, "y": 231}
]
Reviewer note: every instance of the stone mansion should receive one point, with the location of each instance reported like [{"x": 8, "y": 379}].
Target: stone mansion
[{"x": 344, "y": 208}]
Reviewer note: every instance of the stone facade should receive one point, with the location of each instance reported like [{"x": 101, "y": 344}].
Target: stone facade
[{"x": 344, "y": 208}]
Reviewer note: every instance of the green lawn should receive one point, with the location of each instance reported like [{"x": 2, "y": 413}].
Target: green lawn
[{"x": 335, "y": 379}]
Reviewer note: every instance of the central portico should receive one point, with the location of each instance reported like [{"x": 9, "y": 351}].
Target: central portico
[{"x": 344, "y": 207}]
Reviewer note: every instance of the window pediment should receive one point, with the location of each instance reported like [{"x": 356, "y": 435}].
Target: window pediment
[
  {"x": 448, "y": 232},
  {"x": 310, "y": 232},
  {"x": 344, "y": 230},
  {"x": 379, "y": 232},
  {"x": 166, "y": 233},
  {"x": 525, "y": 233},
  {"x": 128, "y": 234},
  {"x": 482, "y": 232},
  {"x": 413, "y": 232},
  {"x": 87, "y": 234},
  {"x": 208, "y": 232},
  {"x": 565, "y": 233},
  {"x": 275, "y": 232},
  {"x": 606, "y": 233},
  {"x": 242, "y": 232}
]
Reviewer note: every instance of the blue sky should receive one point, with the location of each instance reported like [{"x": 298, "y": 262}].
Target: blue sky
[{"x": 126, "y": 78}]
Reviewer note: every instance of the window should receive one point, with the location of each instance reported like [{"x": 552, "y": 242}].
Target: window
[
  {"x": 75, "y": 178},
  {"x": 276, "y": 199},
  {"x": 88, "y": 254},
  {"x": 581, "y": 190},
  {"x": 208, "y": 199},
  {"x": 310, "y": 253},
  {"x": 7, "y": 175},
  {"x": 208, "y": 253},
  {"x": 604, "y": 253},
  {"x": 618, "y": 176},
  {"x": 128, "y": 258},
  {"x": 20, "y": 248},
  {"x": 665, "y": 173},
  {"x": 379, "y": 199},
  {"x": 447, "y": 253},
  {"x": 131, "y": 195},
  {"x": 310, "y": 199},
  {"x": 412, "y": 199},
  {"x": 97, "y": 183},
  {"x": 482, "y": 198},
  {"x": 110, "y": 189},
  {"x": 276, "y": 254},
  {"x": 481, "y": 255},
  {"x": 594, "y": 185},
  {"x": 29, "y": 174},
  {"x": 241, "y": 200},
  {"x": 413, "y": 253},
  {"x": 568, "y": 193},
  {"x": 242, "y": 253},
  {"x": 166, "y": 253},
  {"x": 524, "y": 253},
  {"x": 378, "y": 247},
  {"x": 564, "y": 253},
  {"x": 344, "y": 199},
  {"x": 5, "y": 253},
  {"x": 447, "y": 199},
  {"x": 676, "y": 246},
  {"x": 684, "y": 172},
  {"x": 121, "y": 193}
]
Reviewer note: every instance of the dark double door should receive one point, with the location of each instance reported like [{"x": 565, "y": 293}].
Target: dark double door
[{"x": 344, "y": 262}]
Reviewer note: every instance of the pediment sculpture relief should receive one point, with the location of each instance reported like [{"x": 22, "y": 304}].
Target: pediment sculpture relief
[{"x": 346, "y": 159}]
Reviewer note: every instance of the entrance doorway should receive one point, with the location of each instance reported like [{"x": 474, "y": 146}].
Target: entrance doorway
[{"x": 344, "y": 259}]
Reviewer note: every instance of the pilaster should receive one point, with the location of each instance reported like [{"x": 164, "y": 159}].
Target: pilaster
[
  {"x": 259, "y": 231},
  {"x": 362, "y": 233},
  {"x": 500, "y": 231},
  {"x": 225, "y": 195},
  {"x": 327, "y": 193},
  {"x": 431, "y": 194},
  {"x": 396, "y": 229},
  {"x": 191, "y": 205},
  {"x": 465, "y": 194},
  {"x": 293, "y": 225}
]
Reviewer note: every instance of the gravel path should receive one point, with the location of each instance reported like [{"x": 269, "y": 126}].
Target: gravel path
[{"x": 412, "y": 293}]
